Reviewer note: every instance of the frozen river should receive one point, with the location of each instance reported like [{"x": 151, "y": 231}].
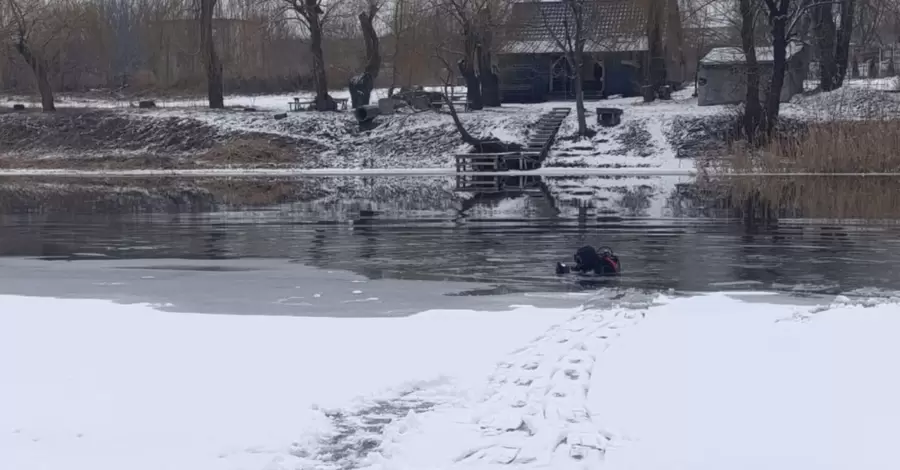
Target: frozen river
[{"x": 366, "y": 250}]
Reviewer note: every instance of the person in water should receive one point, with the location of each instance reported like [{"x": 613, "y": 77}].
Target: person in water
[{"x": 602, "y": 262}]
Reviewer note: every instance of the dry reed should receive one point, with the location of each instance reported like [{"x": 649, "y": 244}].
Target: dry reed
[{"x": 828, "y": 147}]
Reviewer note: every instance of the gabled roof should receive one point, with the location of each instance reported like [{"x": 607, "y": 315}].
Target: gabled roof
[
  {"x": 735, "y": 55},
  {"x": 610, "y": 25}
]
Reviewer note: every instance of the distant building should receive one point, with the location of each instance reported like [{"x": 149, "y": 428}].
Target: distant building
[
  {"x": 722, "y": 78},
  {"x": 533, "y": 67}
]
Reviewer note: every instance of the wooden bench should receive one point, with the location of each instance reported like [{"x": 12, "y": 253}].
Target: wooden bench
[
  {"x": 300, "y": 105},
  {"x": 609, "y": 117}
]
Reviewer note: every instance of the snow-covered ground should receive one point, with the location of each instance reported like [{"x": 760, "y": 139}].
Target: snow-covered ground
[
  {"x": 271, "y": 102},
  {"x": 92, "y": 385},
  {"x": 630, "y": 381}
]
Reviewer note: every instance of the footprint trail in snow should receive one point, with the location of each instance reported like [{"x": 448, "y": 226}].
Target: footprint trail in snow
[{"x": 536, "y": 412}]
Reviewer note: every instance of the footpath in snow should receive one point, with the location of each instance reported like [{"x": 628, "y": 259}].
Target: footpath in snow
[{"x": 630, "y": 381}]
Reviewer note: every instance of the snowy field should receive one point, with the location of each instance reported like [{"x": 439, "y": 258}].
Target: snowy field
[{"x": 631, "y": 382}]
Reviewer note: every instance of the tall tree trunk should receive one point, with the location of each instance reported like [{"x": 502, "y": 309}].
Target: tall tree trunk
[
  {"x": 39, "y": 67},
  {"x": 399, "y": 18},
  {"x": 752, "y": 108},
  {"x": 313, "y": 15},
  {"x": 842, "y": 49},
  {"x": 361, "y": 85},
  {"x": 490, "y": 82},
  {"x": 467, "y": 70},
  {"x": 576, "y": 62},
  {"x": 579, "y": 93},
  {"x": 824, "y": 30},
  {"x": 779, "y": 66},
  {"x": 214, "y": 86},
  {"x": 657, "y": 69}
]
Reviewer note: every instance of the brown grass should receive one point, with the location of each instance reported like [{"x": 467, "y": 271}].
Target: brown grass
[
  {"x": 249, "y": 151},
  {"x": 828, "y": 147}
]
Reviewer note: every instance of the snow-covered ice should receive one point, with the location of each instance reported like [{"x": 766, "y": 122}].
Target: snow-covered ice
[
  {"x": 706, "y": 382},
  {"x": 93, "y": 385},
  {"x": 631, "y": 380}
]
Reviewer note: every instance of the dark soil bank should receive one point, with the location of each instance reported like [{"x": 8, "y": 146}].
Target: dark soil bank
[{"x": 97, "y": 139}]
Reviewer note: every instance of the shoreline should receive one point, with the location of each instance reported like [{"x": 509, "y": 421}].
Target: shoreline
[
  {"x": 407, "y": 172},
  {"x": 335, "y": 172}
]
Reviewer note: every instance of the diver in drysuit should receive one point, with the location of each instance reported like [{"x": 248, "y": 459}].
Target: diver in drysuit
[{"x": 588, "y": 260}]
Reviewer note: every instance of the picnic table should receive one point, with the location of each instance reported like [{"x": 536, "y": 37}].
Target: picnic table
[{"x": 300, "y": 105}]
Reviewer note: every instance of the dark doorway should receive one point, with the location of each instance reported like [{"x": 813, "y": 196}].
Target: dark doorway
[{"x": 560, "y": 78}]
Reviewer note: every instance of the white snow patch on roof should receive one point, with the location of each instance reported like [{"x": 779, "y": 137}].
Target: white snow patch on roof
[{"x": 735, "y": 55}]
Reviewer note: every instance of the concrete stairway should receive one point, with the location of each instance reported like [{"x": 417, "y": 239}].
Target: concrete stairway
[{"x": 542, "y": 137}]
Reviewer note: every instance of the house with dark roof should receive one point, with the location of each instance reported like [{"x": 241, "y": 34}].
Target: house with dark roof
[{"x": 533, "y": 66}]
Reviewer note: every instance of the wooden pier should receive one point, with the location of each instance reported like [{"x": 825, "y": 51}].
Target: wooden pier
[{"x": 531, "y": 157}]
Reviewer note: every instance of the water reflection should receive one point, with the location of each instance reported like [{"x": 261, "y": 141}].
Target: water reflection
[{"x": 669, "y": 234}]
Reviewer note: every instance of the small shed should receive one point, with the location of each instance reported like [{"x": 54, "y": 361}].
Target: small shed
[{"x": 722, "y": 77}]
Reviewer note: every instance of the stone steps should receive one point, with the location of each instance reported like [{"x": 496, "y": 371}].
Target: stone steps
[{"x": 547, "y": 128}]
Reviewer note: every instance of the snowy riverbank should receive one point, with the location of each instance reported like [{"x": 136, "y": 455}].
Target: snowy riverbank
[
  {"x": 641, "y": 382},
  {"x": 104, "y": 132}
]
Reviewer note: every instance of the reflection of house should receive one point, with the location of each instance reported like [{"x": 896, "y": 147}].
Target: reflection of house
[
  {"x": 722, "y": 78},
  {"x": 533, "y": 66}
]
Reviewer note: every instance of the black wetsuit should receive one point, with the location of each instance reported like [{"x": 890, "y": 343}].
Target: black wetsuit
[{"x": 588, "y": 260}]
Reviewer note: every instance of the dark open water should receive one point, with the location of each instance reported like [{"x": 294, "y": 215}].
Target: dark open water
[{"x": 384, "y": 229}]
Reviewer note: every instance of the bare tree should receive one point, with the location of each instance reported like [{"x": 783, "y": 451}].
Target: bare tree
[
  {"x": 753, "y": 115},
  {"x": 214, "y": 82},
  {"x": 361, "y": 85},
  {"x": 312, "y": 15},
  {"x": 833, "y": 41},
  {"x": 482, "y": 145},
  {"x": 655, "y": 69},
  {"x": 844, "y": 35},
  {"x": 569, "y": 38},
  {"x": 487, "y": 77},
  {"x": 36, "y": 29},
  {"x": 398, "y": 27},
  {"x": 710, "y": 24},
  {"x": 869, "y": 18},
  {"x": 418, "y": 29},
  {"x": 465, "y": 14},
  {"x": 786, "y": 21},
  {"x": 122, "y": 19}
]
